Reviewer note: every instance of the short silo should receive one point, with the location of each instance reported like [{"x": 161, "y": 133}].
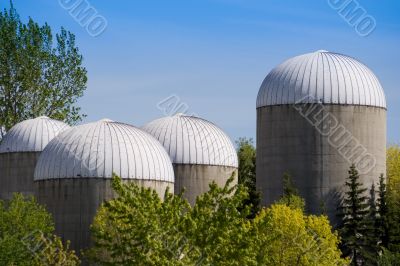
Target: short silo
[
  {"x": 200, "y": 152},
  {"x": 19, "y": 151},
  {"x": 316, "y": 115},
  {"x": 73, "y": 174}
]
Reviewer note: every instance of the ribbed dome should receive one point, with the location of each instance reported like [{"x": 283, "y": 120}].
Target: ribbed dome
[
  {"x": 192, "y": 140},
  {"x": 324, "y": 77},
  {"x": 102, "y": 148},
  {"x": 31, "y": 135}
]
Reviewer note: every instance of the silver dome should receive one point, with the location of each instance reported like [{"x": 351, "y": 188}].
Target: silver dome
[
  {"x": 31, "y": 135},
  {"x": 324, "y": 77},
  {"x": 192, "y": 140},
  {"x": 97, "y": 150}
]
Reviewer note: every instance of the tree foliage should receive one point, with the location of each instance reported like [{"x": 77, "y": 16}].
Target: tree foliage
[
  {"x": 26, "y": 235},
  {"x": 247, "y": 173},
  {"x": 138, "y": 227},
  {"x": 393, "y": 198},
  {"x": 286, "y": 236},
  {"x": 290, "y": 196},
  {"x": 39, "y": 74},
  {"x": 353, "y": 210}
]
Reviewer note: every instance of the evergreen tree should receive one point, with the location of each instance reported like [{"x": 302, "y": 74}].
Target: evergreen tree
[
  {"x": 353, "y": 210},
  {"x": 382, "y": 219},
  {"x": 247, "y": 174},
  {"x": 372, "y": 245},
  {"x": 290, "y": 195}
]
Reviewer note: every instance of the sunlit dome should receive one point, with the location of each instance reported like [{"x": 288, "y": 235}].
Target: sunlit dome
[
  {"x": 99, "y": 149},
  {"x": 31, "y": 135},
  {"x": 324, "y": 77},
  {"x": 192, "y": 140}
]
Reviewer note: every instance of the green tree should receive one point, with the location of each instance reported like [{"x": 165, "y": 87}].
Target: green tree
[
  {"x": 353, "y": 211},
  {"x": 393, "y": 198},
  {"x": 286, "y": 236},
  {"x": 138, "y": 227},
  {"x": 382, "y": 218},
  {"x": 26, "y": 235},
  {"x": 38, "y": 75},
  {"x": 389, "y": 258},
  {"x": 247, "y": 173},
  {"x": 373, "y": 231},
  {"x": 290, "y": 196}
]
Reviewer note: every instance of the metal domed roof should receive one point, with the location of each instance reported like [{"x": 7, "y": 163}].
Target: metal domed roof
[
  {"x": 192, "y": 140},
  {"x": 99, "y": 149},
  {"x": 31, "y": 135},
  {"x": 323, "y": 77}
]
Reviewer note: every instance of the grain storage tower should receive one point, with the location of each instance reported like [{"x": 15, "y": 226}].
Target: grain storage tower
[
  {"x": 19, "y": 151},
  {"x": 200, "y": 152},
  {"x": 316, "y": 114},
  {"x": 73, "y": 174}
]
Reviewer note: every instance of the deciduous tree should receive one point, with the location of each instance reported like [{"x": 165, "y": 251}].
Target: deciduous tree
[{"x": 39, "y": 74}]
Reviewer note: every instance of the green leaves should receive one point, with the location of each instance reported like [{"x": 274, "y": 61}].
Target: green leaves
[
  {"x": 137, "y": 228},
  {"x": 37, "y": 76},
  {"x": 26, "y": 235}
]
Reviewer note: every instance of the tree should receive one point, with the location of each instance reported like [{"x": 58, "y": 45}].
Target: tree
[
  {"x": 138, "y": 227},
  {"x": 38, "y": 75},
  {"x": 393, "y": 198},
  {"x": 247, "y": 173},
  {"x": 286, "y": 236},
  {"x": 353, "y": 209},
  {"x": 373, "y": 231},
  {"x": 382, "y": 218},
  {"x": 290, "y": 196},
  {"x": 26, "y": 235},
  {"x": 389, "y": 258}
]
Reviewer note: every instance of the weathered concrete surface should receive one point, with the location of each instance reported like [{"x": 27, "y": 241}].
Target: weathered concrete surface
[
  {"x": 16, "y": 173},
  {"x": 196, "y": 178},
  {"x": 287, "y": 142},
  {"x": 74, "y": 203}
]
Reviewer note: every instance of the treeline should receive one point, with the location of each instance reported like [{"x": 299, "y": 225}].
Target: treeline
[{"x": 226, "y": 226}]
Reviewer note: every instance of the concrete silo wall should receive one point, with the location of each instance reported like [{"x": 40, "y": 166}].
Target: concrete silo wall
[
  {"x": 16, "y": 173},
  {"x": 196, "y": 178},
  {"x": 74, "y": 203},
  {"x": 315, "y": 152}
]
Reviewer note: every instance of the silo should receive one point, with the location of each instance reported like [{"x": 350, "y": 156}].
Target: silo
[
  {"x": 200, "y": 152},
  {"x": 19, "y": 150},
  {"x": 73, "y": 174},
  {"x": 316, "y": 115}
]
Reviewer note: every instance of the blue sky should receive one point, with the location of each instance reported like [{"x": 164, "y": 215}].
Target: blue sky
[{"x": 214, "y": 54}]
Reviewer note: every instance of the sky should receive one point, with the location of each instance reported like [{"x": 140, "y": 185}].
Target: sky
[{"x": 212, "y": 55}]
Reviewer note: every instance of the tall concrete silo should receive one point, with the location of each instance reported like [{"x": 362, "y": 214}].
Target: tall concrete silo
[
  {"x": 20, "y": 150},
  {"x": 200, "y": 152},
  {"x": 316, "y": 115},
  {"x": 73, "y": 174}
]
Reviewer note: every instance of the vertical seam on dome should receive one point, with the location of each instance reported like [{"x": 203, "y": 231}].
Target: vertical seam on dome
[
  {"x": 148, "y": 153},
  {"x": 120, "y": 135},
  {"x": 356, "y": 74},
  {"x": 129, "y": 134},
  {"x": 349, "y": 75},
  {"x": 90, "y": 149},
  {"x": 302, "y": 65},
  {"x": 284, "y": 83},
  {"x": 289, "y": 87},
  {"x": 337, "y": 77},
  {"x": 213, "y": 140}
]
